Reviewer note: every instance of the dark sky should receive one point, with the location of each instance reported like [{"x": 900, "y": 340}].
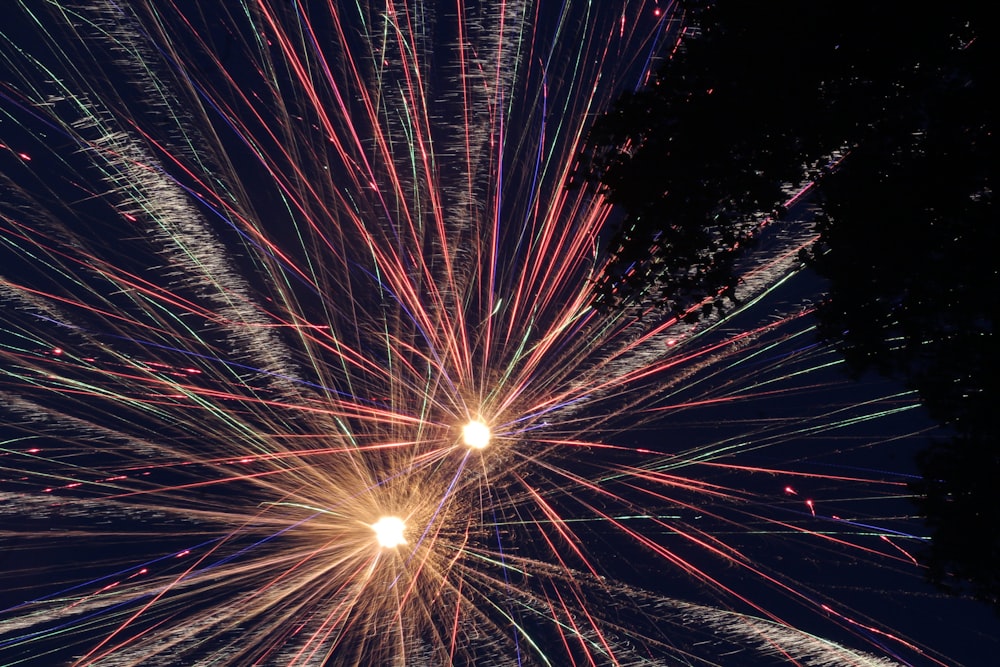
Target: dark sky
[{"x": 132, "y": 399}]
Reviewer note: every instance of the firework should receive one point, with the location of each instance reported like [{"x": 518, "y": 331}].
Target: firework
[{"x": 299, "y": 363}]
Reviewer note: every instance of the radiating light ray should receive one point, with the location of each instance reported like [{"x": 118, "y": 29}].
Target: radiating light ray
[{"x": 262, "y": 264}]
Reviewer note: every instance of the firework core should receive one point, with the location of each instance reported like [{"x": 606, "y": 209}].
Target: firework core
[
  {"x": 476, "y": 434},
  {"x": 389, "y": 531}
]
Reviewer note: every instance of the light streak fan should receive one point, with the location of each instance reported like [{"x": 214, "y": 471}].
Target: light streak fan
[{"x": 299, "y": 364}]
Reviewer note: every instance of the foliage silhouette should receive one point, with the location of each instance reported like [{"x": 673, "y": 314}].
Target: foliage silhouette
[{"x": 760, "y": 96}]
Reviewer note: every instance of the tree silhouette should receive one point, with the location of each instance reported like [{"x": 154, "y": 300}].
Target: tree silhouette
[
  {"x": 757, "y": 96},
  {"x": 909, "y": 238}
]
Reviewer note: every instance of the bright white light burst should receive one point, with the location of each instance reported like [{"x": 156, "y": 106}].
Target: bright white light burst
[
  {"x": 389, "y": 531},
  {"x": 476, "y": 434}
]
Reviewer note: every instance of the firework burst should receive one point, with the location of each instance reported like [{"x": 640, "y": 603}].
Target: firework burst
[{"x": 299, "y": 363}]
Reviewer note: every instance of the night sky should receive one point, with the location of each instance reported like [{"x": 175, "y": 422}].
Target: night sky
[{"x": 258, "y": 267}]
